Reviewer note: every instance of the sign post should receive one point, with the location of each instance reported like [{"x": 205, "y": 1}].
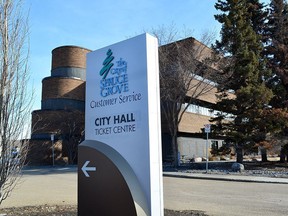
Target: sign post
[
  {"x": 53, "y": 154},
  {"x": 120, "y": 163},
  {"x": 207, "y": 131}
]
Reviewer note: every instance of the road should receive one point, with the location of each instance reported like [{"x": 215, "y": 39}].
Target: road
[
  {"x": 51, "y": 186},
  {"x": 221, "y": 198}
]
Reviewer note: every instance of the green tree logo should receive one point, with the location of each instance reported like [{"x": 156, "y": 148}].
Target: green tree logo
[{"x": 107, "y": 65}]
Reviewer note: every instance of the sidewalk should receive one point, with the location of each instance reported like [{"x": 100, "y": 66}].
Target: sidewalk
[
  {"x": 227, "y": 177},
  {"x": 44, "y": 185}
]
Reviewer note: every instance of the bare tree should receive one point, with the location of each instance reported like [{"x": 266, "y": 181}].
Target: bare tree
[
  {"x": 15, "y": 101},
  {"x": 72, "y": 132},
  {"x": 187, "y": 72}
]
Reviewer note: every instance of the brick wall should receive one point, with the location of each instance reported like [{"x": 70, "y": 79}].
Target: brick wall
[
  {"x": 69, "y": 56},
  {"x": 40, "y": 152},
  {"x": 192, "y": 123},
  {"x": 60, "y": 87}
]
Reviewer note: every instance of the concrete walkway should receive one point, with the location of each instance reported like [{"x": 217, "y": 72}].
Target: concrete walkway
[{"x": 45, "y": 186}]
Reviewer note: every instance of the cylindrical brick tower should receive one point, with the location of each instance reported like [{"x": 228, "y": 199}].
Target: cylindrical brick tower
[{"x": 62, "y": 108}]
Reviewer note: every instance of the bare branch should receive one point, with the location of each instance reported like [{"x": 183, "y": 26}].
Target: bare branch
[
  {"x": 187, "y": 75},
  {"x": 15, "y": 102}
]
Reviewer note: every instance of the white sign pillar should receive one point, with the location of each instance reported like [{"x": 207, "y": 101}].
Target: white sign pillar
[{"x": 123, "y": 127}]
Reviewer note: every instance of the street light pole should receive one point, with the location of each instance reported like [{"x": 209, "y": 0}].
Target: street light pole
[
  {"x": 207, "y": 131},
  {"x": 52, "y": 140},
  {"x": 207, "y": 152}
]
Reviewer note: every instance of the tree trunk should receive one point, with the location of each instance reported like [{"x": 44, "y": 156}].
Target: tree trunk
[
  {"x": 175, "y": 150},
  {"x": 239, "y": 152},
  {"x": 283, "y": 154},
  {"x": 263, "y": 154},
  {"x": 286, "y": 152}
]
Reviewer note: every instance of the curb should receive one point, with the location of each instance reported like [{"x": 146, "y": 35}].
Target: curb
[{"x": 255, "y": 179}]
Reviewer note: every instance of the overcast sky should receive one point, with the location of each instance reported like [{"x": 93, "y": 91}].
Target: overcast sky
[{"x": 94, "y": 24}]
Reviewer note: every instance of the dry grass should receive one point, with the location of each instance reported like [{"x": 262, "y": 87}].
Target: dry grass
[{"x": 67, "y": 210}]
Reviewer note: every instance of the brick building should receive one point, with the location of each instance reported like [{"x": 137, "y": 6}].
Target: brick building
[
  {"x": 63, "y": 107},
  {"x": 198, "y": 75}
]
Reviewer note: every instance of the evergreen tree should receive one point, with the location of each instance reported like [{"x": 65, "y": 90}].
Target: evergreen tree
[
  {"x": 244, "y": 68},
  {"x": 277, "y": 51}
]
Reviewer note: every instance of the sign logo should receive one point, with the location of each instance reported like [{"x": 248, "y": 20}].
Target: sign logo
[
  {"x": 107, "y": 64},
  {"x": 117, "y": 81}
]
